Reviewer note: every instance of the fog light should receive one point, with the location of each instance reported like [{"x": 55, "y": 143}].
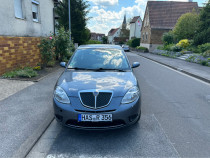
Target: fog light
[
  {"x": 59, "y": 118},
  {"x": 133, "y": 117}
]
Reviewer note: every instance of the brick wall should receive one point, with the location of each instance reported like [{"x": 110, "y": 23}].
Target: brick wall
[
  {"x": 157, "y": 34},
  {"x": 146, "y": 30},
  {"x": 16, "y": 52}
]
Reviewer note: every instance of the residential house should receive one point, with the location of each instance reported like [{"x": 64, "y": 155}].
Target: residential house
[
  {"x": 22, "y": 24},
  {"x": 119, "y": 35},
  {"x": 112, "y": 34},
  {"x": 161, "y": 17},
  {"x": 135, "y": 27},
  {"x": 97, "y": 36}
]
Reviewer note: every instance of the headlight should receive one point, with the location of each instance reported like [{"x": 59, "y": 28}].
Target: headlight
[
  {"x": 61, "y": 96},
  {"x": 131, "y": 95}
]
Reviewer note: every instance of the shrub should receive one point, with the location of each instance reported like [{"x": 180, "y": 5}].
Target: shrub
[
  {"x": 168, "y": 38},
  {"x": 204, "y": 47},
  {"x": 37, "y": 68},
  {"x": 206, "y": 53},
  {"x": 135, "y": 42},
  {"x": 26, "y": 72},
  {"x": 176, "y": 48},
  {"x": 47, "y": 49},
  {"x": 160, "y": 47},
  {"x": 93, "y": 42},
  {"x": 129, "y": 43},
  {"x": 183, "y": 43},
  {"x": 204, "y": 63},
  {"x": 186, "y": 26},
  {"x": 51, "y": 63},
  {"x": 142, "y": 48},
  {"x": 63, "y": 45}
]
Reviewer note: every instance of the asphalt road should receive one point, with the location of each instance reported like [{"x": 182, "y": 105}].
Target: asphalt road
[{"x": 175, "y": 122}]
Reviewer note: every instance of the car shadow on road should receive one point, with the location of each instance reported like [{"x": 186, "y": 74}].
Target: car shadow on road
[{"x": 145, "y": 138}]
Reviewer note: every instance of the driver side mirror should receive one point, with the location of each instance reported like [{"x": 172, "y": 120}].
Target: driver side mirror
[{"x": 135, "y": 64}]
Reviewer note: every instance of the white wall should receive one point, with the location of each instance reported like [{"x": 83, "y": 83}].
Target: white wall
[
  {"x": 135, "y": 29},
  {"x": 151, "y": 47},
  {"x": 12, "y": 26},
  {"x": 111, "y": 38}
]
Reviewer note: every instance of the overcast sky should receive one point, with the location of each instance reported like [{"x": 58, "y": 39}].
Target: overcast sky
[{"x": 107, "y": 14}]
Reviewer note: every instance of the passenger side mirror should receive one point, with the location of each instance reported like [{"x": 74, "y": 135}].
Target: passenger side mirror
[
  {"x": 63, "y": 64},
  {"x": 135, "y": 64}
]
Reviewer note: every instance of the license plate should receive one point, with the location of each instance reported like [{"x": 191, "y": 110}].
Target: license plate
[{"x": 94, "y": 117}]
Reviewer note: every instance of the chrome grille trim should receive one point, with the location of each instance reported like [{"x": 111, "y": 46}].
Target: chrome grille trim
[{"x": 94, "y": 90}]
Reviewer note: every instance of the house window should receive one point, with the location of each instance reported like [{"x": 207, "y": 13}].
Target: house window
[
  {"x": 35, "y": 10},
  {"x": 18, "y": 9},
  {"x": 146, "y": 35}
]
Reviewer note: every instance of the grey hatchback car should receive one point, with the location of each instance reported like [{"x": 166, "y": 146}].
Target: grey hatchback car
[{"x": 97, "y": 90}]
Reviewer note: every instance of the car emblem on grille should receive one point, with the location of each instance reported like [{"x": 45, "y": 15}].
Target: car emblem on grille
[{"x": 95, "y": 93}]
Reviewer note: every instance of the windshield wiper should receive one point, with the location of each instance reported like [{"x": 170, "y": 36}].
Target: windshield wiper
[
  {"x": 79, "y": 68},
  {"x": 103, "y": 69}
]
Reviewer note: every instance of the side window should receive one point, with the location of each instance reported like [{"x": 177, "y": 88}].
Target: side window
[
  {"x": 18, "y": 9},
  {"x": 35, "y": 10}
]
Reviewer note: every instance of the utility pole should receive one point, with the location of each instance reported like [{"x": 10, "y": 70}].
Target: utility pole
[{"x": 69, "y": 19}]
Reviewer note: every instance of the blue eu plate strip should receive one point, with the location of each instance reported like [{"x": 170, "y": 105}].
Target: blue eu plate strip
[{"x": 79, "y": 117}]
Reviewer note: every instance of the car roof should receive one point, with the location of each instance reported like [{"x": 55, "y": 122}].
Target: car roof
[{"x": 100, "y": 46}]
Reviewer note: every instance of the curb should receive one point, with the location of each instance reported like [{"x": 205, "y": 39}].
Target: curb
[
  {"x": 178, "y": 69},
  {"x": 46, "y": 75},
  {"x": 37, "y": 80},
  {"x": 29, "y": 143}
]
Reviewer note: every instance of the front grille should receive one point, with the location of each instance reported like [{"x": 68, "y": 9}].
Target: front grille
[
  {"x": 103, "y": 99},
  {"x": 100, "y": 100},
  {"x": 88, "y": 99}
]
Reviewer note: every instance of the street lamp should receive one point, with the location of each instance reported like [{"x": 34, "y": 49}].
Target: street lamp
[{"x": 69, "y": 19}]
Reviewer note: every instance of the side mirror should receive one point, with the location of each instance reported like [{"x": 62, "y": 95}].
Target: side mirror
[
  {"x": 63, "y": 64},
  {"x": 135, "y": 64}
]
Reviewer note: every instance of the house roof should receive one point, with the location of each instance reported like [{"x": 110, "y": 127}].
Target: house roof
[
  {"x": 164, "y": 14},
  {"x": 112, "y": 31},
  {"x": 135, "y": 18}
]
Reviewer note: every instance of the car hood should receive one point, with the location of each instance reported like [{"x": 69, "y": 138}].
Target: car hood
[{"x": 118, "y": 82}]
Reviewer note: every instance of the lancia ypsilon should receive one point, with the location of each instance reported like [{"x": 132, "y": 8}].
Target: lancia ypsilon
[{"x": 97, "y": 89}]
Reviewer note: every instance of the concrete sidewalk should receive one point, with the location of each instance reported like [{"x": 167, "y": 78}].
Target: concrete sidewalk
[
  {"x": 10, "y": 87},
  {"x": 192, "y": 69},
  {"x": 26, "y": 110}
]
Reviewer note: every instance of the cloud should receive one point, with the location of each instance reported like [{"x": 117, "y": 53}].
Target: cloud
[
  {"x": 105, "y": 2},
  {"x": 103, "y": 19}
]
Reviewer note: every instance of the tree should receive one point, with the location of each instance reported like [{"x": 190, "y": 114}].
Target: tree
[
  {"x": 203, "y": 33},
  {"x": 168, "y": 38},
  {"x": 135, "y": 42},
  {"x": 186, "y": 26},
  {"x": 105, "y": 40},
  {"x": 79, "y": 11}
]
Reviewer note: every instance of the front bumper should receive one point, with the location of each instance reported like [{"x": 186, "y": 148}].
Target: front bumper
[{"x": 122, "y": 114}]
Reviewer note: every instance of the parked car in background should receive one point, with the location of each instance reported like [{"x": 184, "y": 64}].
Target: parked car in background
[
  {"x": 98, "y": 89},
  {"x": 126, "y": 48}
]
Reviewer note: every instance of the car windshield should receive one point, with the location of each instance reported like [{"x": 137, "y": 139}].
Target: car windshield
[{"x": 98, "y": 58}]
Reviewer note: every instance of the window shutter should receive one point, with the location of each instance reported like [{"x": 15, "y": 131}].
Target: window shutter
[{"x": 18, "y": 8}]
